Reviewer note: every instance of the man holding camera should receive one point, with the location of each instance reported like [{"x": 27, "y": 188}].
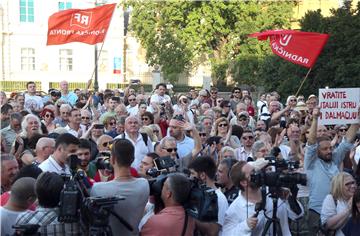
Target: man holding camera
[
  {"x": 321, "y": 163},
  {"x": 241, "y": 218},
  {"x": 134, "y": 190},
  {"x": 172, "y": 219},
  {"x": 204, "y": 169}
]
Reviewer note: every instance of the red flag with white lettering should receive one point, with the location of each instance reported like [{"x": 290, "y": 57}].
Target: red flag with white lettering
[
  {"x": 80, "y": 25},
  {"x": 298, "y": 47}
]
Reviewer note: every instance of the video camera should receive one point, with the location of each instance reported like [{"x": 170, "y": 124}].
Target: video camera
[
  {"x": 102, "y": 161},
  {"x": 202, "y": 202},
  {"x": 282, "y": 177}
]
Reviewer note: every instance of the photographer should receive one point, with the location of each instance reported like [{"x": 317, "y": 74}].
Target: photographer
[
  {"x": 172, "y": 219},
  {"x": 48, "y": 187},
  {"x": 240, "y": 218},
  {"x": 321, "y": 163},
  {"x": 134, "y": 190},
  {"x": 204, "y": 169}
]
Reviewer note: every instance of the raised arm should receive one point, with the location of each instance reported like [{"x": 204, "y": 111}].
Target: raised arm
[{"x": 313, "y": 127}]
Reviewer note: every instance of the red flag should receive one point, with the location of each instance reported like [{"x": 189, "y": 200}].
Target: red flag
[
  {"x": 80, "y": 25},
  {"x": 298, "y": 47}
]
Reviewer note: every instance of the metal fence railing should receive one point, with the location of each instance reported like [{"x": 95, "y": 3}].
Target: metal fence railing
[{"x": 16, "y": 86}]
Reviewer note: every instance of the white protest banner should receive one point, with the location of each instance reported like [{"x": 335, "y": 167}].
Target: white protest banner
[{"x": 339, "y": 106}]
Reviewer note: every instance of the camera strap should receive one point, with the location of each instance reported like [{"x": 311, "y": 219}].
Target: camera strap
[{"x": 185, "y": 224}]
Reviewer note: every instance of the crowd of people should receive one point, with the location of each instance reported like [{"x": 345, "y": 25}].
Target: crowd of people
[{"x": 119, "y": 138}]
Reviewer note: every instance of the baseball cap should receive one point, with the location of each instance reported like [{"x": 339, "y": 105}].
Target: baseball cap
[{"x": 243, "y": 114}]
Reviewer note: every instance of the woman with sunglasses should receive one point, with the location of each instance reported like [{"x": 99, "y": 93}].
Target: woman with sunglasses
[
  {"x": 110, "y": 126},
  {"x": 48, "y": 117},
  {"x": 223, "y": 129},
  {"x": 340, "y": 133},
  {"x": 336, "y": 208},
  {"x": 147, "y": 118}
]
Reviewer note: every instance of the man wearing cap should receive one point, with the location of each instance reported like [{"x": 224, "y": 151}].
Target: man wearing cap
[
  {"x": 243, "y": 120},
  {"x": 177, "y": 127}
]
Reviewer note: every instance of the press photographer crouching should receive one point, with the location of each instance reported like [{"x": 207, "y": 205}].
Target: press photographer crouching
[
  {"x": 172, "y": 220},
  {"x": 134, "y": 190},
  {"x": 253, "y": 211}
]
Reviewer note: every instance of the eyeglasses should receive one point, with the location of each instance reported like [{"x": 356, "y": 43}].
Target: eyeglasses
[
  {"x": 85, "y": 118},
  {"x": 171, "y": 149},
  {"x": 112, "y": 123},
  {"x": 247, "y": 137},
  {"x": 49, "y": 115},
  {"x": 237, "y": 92},
  {"x": 130, "y": 100},
  {"x": 155, "y": 131},
  {"x": 350, "y": 183},
  {"x": 223, "y": 125},
  {"x": 145, "y": 118},
  {"x": 213, "y": 92},
  {"x": 242, "y": 119},
  {"x": 202, "y": 134},
  {"x": 342, "y": 130}
]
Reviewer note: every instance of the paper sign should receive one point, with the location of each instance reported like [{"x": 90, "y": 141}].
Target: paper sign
[{"x": 339, "y": 106}]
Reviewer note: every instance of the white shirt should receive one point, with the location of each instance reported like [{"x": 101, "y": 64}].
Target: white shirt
[
  {"x": 133, "y": 111},
  {"x": 357, "y": 154},
  {"x": 52, "y": 166},
  {"x": 159, "y": 99},
  {"x": 185, "y": 146},
  {"x": 240, "y": 210},
  {"x": 78, "y": 133},
  {"x": 189, "y": 113},
  {"x": 141, "y": 149},
  {"x": 223, "y": 205},
  {"x": 329, "y": 209},
  {"x": 242, "y": 155}
]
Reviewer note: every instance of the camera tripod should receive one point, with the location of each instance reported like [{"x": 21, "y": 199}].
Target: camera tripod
[{"x": 273, "y": 220}]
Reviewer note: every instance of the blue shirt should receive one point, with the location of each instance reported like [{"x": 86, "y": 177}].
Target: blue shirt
[
  {"x": 70, "y": 98},
  {"x": 320, "y": 173}
]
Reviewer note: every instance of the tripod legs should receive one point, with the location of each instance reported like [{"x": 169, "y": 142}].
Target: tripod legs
[{"x": 276, "y": 227}]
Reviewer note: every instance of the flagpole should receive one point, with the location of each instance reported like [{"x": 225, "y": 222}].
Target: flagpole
[
  {"x": 302, "y": 83},
  {"x": 97, "y": 56}
]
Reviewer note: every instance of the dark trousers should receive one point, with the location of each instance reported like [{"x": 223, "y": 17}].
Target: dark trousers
[{"x": 313, "y": 222}]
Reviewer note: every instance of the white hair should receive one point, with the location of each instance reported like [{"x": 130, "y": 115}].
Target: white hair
[{"x": 24, "y": 124}]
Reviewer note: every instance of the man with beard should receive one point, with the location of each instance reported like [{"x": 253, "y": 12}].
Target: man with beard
[
  {"x": 321, "y": 163},
  {"x": 73, "y": 126},
  {"x": 84, "y": 156},
  {"x": 240, "y": 218}
]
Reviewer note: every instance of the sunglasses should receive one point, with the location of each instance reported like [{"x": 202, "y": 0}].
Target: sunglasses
[
  {"x": 242, "y": 119},
  {"x": 171, "y": 149},
  {"x": 223, "y": 125},
  {"x": 145, "y": 118},
  {"x": 85, "y": 118},
  {"x": 248, "y": 137},
  {"x": 202, "y": 134},
  {"x": 106, "y": 144},
  {"x": 342, "y": 130},
  {"x": 130, "y": 100},
  {"x": 237, "y": 92},
  {"x": 292, "y": 100},
  {"x": 112, "y": 123},
  {"x": 48, "y": 116},
  {"x": 213, "y": 92}
]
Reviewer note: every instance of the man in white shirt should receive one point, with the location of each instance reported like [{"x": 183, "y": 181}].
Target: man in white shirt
[
  {"x": 247, "y": 141},
  {"x": 141, "y": 142},
  {"x": 240, "y": 218},
  {"x": 73, "y": 126},
  {"x": 204, "y": 169},
  {"x": 32, "y": 101},
  {"x": 132, "y": 108},
  {"x": 66, "y": 145},
  {"x": 160, "y": 97}
]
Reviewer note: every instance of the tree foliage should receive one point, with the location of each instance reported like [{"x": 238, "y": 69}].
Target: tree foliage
[{"x": 180, "y": 35}]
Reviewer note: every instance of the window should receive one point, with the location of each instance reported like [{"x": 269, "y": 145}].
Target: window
[
  {"x": 27, "y": 59},
  {"x": 103, "y": 61},
  {"x": 63, "y": 5},
  {"x": 66, "y": 60},
  {"x": 26, "y": 10}
]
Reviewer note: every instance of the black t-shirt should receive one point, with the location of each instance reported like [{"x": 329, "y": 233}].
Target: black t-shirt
[{"x": 231, "y": 194}]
